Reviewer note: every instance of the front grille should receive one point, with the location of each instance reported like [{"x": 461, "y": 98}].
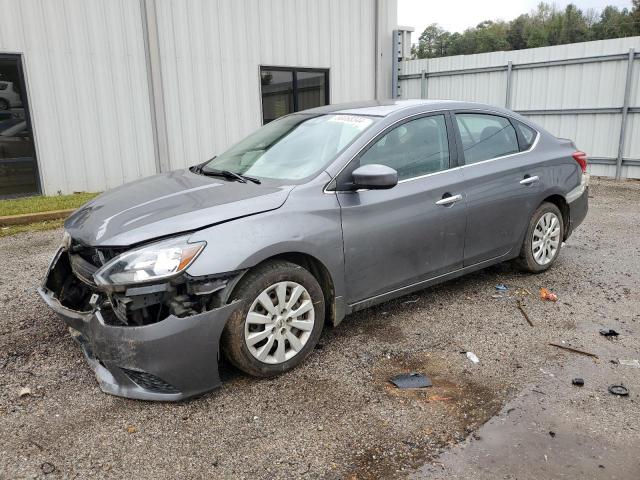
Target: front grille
[{"x": 150, "y": 382}]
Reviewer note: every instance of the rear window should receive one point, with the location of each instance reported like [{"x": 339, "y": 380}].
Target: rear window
[{"x": 528, "y": 135}]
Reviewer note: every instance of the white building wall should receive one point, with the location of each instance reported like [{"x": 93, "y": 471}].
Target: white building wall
[
  {"x": 86, "y": 72},
  {"x": 84, "y": 65},
  {"x": 587, "y": 85},
  {"x": 212, "y": 50}
]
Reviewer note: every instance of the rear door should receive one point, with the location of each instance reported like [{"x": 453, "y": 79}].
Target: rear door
[
  {"x": 502, "y": 182},
  {"x": 397, "y": 237}
]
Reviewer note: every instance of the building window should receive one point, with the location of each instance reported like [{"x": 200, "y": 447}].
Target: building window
[
  {"x": 287, "y": 90},
  {"x": 18, "y": 167}
]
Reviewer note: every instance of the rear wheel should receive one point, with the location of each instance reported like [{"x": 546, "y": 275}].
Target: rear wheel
[
  {"x": 543, "y": 239},
  {"x": 281, "y": 320}
]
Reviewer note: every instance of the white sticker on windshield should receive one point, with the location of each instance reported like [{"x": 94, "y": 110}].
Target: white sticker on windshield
[{"x": 358, "y": 122}]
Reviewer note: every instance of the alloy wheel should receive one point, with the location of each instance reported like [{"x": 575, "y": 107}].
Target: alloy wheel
[
  {"x": 546, "y": 238},
  {"x": 279, "y": 322}
]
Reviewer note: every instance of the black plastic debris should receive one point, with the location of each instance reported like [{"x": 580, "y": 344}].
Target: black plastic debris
[
  {"x": 578, "y": 382},
  {"x": 609, "y": 333},
  {"x": 411, "y": 380},
  {"x": 552, "y": 434},
  {"x": 618, "y": 390}
]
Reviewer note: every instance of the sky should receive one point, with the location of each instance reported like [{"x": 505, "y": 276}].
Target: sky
[{"x": 456, "y": 15}]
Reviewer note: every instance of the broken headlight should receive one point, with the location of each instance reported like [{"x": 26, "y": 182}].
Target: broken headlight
[{"x": 152, "y": 262}]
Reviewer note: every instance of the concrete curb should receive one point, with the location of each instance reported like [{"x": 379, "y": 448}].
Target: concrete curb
[{"x": 27, "y": 218}]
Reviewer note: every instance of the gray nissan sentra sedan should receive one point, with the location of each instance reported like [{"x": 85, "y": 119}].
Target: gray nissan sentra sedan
[{"x": 314, "y": 216}]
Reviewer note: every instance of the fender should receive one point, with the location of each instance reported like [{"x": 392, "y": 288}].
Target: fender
[{"x": 307, "y": 223}]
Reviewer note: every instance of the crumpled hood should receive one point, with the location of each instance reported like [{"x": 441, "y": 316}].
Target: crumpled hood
[{"x": 167, "y": 204}]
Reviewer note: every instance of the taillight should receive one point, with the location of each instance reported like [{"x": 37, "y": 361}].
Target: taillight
[{"x": 581, "y": 158}]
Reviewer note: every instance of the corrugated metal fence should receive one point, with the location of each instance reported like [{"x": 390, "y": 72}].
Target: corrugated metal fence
[{"x": 589, "y": 92}]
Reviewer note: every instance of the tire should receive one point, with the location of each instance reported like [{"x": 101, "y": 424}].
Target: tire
[
  {"x": 539, "y": 258},
  {"x": 4, "y": 105},
  {"x": 275, "y": 337}
]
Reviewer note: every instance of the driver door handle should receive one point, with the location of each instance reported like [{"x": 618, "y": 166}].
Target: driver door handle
[
  {"x": 529, "y": 180},
  {"x": 449, "y": 200}
]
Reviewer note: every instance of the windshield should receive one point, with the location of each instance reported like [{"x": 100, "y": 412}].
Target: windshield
[{"x": 293, "y": 147}]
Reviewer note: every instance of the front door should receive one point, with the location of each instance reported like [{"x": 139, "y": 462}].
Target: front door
[{"x": 415, "y": 230}]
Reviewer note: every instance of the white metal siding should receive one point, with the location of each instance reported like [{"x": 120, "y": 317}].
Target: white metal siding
[
  {"x": 86, "y": 73},
  {"x": 555, "y": 87},
  {"x": 86, "y": 79},
  {"x": 211, "y": 51}
]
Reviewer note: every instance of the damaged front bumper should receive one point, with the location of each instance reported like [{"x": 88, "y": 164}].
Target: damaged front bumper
[{"x": 172, "y": 359}]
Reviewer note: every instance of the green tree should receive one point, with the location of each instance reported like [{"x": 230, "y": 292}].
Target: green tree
[
  {"x": 543, "y": 26},
  {"x": 635, "y": 17},
  {"x": 616, "y": 23},
  {"x": 491, "y": 36},
  {"x": 573, "y": 26},
  {"x": 516, "y": 32},
  {"x": 429, "y": 41}
]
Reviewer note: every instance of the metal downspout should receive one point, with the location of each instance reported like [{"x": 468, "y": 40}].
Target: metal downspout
[
  {"x": 155, "y": 85},
  {"x": 377, "y": 48}
]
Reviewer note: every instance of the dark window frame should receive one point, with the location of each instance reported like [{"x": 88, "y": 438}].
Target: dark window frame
[
  {"x": 522, "y": 142},
  {"x": 22, "y": 85},
  {"x": 294, "y": 71},
  {"x": 461, "y": 156}
]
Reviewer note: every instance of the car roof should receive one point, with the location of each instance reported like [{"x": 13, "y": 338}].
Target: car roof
[{"x": 384, "y": 108}]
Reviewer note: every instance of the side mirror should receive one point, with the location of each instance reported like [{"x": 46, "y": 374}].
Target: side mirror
[{"x": 374, "y": 177}]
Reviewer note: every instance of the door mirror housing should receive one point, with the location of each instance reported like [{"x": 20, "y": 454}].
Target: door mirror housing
[{"x": 374, "y": 177}]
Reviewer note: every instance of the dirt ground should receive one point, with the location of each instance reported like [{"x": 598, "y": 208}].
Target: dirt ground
[{"x": 513, "y": 415}]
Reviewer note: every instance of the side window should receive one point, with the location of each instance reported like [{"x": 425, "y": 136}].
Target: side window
[
  {"x": 528, "y": 134},
  {"x": 414, "y": 148},
  {"x": 486, "y": 136}
]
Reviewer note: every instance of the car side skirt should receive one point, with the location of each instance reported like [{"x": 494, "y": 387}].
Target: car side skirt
[{"x": 369, "y": 302}]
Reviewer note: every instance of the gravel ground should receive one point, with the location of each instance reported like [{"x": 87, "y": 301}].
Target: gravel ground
[{"x": 337, "y": 416}]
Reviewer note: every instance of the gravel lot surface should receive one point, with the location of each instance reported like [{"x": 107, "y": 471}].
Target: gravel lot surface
[{"x": 337, "y": 416}]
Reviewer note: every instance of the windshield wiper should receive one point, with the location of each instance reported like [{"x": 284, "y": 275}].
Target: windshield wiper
[
  {"x": 227, "y": 174},
  {"x": 197, "y": 168}
]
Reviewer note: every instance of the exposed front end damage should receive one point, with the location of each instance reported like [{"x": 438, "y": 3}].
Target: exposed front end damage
[{"x": 154, "y": 342}]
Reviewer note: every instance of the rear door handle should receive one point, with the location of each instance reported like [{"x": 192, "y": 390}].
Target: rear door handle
[
  {"x": 529, "y": 180},
  {"x": 449, "y": 200}
]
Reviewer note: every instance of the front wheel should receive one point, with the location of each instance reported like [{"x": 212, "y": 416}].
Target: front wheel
[
  {"x": 280, "y": 322},
  {"x": 543, "y": 239}
]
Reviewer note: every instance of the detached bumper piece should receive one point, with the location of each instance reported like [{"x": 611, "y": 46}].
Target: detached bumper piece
[{"x": 172, "y": 359}]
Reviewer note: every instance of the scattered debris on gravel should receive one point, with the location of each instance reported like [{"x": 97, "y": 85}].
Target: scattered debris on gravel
[{"x": 339, "y": 409}]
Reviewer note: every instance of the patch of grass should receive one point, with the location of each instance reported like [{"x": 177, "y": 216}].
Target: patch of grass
[
  {"x": 31, "y": 227},
  {"x": 39, "y": 204}
]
